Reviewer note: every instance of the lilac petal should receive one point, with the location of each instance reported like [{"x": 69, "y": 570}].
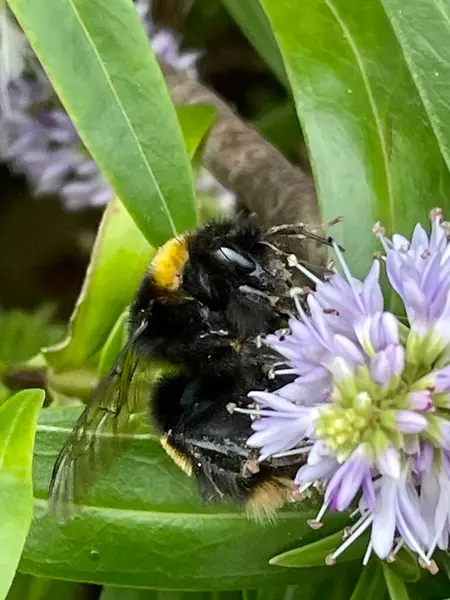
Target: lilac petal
[
  {"x": 419, "y": 400},
  {"x": 408, "y": 505},
  {"x": 396, "y": 356},
  {"x": 419, "y": 239},
  {"x": 350, "y": 485},
  {"x": 429, "y": 494},
  {"x": 442, "y": 512},
  {"x": 409, "y": 421},
  {"x": 389, "y": 329},
  {"x": 445, "y": 458},
  {"x": 276, "y": 403},
  {"x": 369, "y": 492},
  {"x": 413, "y": 297},
  {"x": 388, "y": 462},
  {"x": 444, "y": 430},
  {"x": 394, "y": 265},
  {"x": 438, "y": 237},
  {"x": 348, "y": 350},
  {"x": 383, "y": 527},
  {"x": 431, "y": 275},
  {"x": 400, "y": 243},
  {"x": 320, "y": 470},
  {"x": 277, "y": 433},
  {"x": 372, "y": 296},
  {"x": 300, "y": 332},
  {"x": 379, "y": 367},
  {"x": 424, "y": 460}
]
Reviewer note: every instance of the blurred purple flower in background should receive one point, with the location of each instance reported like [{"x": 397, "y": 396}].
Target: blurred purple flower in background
[
  {"x": 369, "y": 403},
  {"x": 37, "y": 137}
]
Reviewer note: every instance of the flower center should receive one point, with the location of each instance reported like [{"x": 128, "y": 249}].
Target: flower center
[{"x": 342, "y": 428}]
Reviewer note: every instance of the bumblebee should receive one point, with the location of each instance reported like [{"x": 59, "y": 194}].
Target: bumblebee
[{"x": 205, "y": 300}]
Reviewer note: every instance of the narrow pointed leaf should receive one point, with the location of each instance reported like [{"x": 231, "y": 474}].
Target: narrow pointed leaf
[
  {"x": 195, "y": 120},
  {"x": 18, "y": 417},
  {"x": 396, "y": 587},
  {"x": 406, "y": 566},
  {"x": 373, "y": 151},
  {"x": 314, "y": 554},
  {"x": 113, "y": 345},
  {"x": 255, "y": 25},
  {"x": 144, "y": 526},
  {"x": 101, "y": 64},
  {"x": 371, "y": 584},
  {"x": 119, "y": 258}
]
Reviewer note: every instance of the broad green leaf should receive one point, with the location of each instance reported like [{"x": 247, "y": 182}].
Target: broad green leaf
[
  {"x": 18, "y": 417},
  {"x": 144, "y": 527},
  {"x": 395, "y": 586},
  {"x": 371, "y": 584},
  {"x": 423, "y": 30},
  {"x": 251, "y": 18},
  {"x": 119, "y": 258},
  {"x": 314, "y": 554},
  {"x": 373, "y": 151},
  {"x": 101, "y": 64},
  {"x": 110, "y": 593}
]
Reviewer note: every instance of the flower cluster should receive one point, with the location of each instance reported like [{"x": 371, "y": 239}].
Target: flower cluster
[
  {"x": 369, "y": 403},
  {"x": 38, "y": 139}
]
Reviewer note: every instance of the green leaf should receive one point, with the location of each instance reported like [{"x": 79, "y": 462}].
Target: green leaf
[
  {"x": 395, "y": 586},
  {"x": 251, "y": 18},
  {"x": 101, "y": 64},
  {"x": 314, "y": 554},
  {"x": 406, "y": 566},
  {"x": 373, "y": 151},
  {"x": 26, "y": 587},
  {"x": 23, "y": 334},
  {"x": 113, "y": 345},
  {"x": 144, "y": 526},
  {"x": 423, "y": 30},
  {"x": 110, "y": 593},
  {"x": 118, "y": 261},
  {"x": 371, "y": 584},
  {"x": 18, "y": 417},
  {"x": 196, "y": 120}
]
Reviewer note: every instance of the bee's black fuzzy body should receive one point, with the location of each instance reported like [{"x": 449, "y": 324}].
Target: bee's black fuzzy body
[
  {"x": 206, "y": 329},
  {"x": 199, "y": 309}
]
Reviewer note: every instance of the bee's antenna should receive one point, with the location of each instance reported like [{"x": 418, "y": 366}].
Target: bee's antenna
[{"x": 299, "y": 231}]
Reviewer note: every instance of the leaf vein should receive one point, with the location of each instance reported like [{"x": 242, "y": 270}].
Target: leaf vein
[{"x": 121, "y": 107}]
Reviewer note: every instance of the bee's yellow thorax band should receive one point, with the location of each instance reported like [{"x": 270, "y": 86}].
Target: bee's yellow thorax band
[{"x": 167, "y": 264}]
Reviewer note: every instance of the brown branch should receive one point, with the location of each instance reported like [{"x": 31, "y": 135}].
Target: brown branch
[{"x": 263, "y": 179}]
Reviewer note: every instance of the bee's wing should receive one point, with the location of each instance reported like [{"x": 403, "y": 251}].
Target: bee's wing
[{"x": 93, "y": 444}]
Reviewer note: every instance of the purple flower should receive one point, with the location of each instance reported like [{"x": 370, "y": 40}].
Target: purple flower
[
  {"x": 369, "y": 405},
  {"x": 419, "y": 271}
]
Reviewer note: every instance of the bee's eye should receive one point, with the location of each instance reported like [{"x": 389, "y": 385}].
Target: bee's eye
[{"x": 227, "y": 255}]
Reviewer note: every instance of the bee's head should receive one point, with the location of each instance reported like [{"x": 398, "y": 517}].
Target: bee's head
[{"x": 229, "y": 268}]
